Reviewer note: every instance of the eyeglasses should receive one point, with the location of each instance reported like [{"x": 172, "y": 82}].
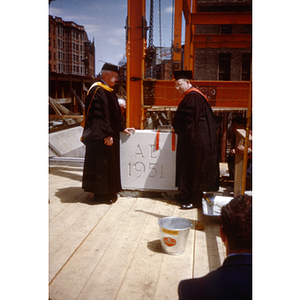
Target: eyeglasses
[
  {"x": 116, "y": 76},
  {"x": 178, "y": 85}
]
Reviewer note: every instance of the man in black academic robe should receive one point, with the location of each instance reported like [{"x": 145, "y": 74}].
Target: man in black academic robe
[
  {"x": 197, "y": 163},
  {"x": 103, "y": 122}
]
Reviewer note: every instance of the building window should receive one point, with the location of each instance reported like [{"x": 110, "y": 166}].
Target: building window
[
  {"x": 224, "y": 66},
  {"x": 248, "y": 29},
  {"x": 226, "y": 29},
  {"x": 246, "y": 66}
]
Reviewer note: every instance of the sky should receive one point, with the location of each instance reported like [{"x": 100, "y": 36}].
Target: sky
[{"x": 104, "y": 22}]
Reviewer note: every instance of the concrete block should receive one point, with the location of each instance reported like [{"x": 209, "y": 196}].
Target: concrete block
[
  {"x": 142, "y": 166},
  {"x": 66, "y": 143}
]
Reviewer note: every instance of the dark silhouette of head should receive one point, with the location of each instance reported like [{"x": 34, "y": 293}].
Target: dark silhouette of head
[{"x": 236, "y": 224}]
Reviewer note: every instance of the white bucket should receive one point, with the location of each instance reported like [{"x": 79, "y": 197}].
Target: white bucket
[{"x": 174, "y": 234}]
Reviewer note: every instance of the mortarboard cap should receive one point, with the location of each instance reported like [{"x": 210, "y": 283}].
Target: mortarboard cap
[
  {"x": 183, "y": 75},
  {"x": 110, "y": 67}
]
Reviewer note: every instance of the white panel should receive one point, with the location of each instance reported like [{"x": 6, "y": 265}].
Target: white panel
[
  {"x": 67, "y": 142},
  {"x": 142, "y": 166}
]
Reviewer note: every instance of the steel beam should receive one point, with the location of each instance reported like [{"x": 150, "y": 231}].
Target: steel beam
[
  {"x": 177, "y": 31},
  {"x": 135, "y": 51},
  {"x": 221, "y": 18},
  {"x": 223, "y": 40}
]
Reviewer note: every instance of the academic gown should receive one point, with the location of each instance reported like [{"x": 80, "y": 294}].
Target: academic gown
[
  {"x": 101, "y": 173},
  {"x": 197, "y": 163}
]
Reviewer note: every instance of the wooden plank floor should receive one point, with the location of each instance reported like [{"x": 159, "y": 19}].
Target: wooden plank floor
[{"x": 99, "y": 251}]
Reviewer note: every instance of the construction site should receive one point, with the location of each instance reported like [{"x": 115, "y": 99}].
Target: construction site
[{"x": 113, "y": 251}]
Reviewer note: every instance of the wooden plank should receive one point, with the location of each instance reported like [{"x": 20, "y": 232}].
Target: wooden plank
[
  {"x": 113, "y": 251},
  {"x": 64, "y": 197},
  {"x": 61, "y": 177},
  {"x": 64, "y": 188},
  {"x": 69, "y": 230},
  {"x": 67, "y": 226},
  {"x": 52, "y": 104},
  {"x": 209, "y": 248},
  {"x": 143, "y": 273},
  {"x": 81, "y": 266},
  {"x": 61, "y": 223},
  {"x": 111, "y": 270},
  {"x": 59, "y": 107},
  {"x": 238, "y": 163},
  {"x": 212, "y": 244},
  {"x": 224, "y": 126},
  {"x": 238, "y": 167},
  {"x": 54, "y": 169},
  {"x": 177, "y": 267}
]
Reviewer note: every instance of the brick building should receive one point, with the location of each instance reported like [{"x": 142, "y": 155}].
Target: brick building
[
  {"x": 70, "y": 51},
  {"x": 223, "y": 51}
]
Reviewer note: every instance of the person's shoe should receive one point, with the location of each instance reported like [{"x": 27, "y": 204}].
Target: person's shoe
[
  {"x": 187, "y": 205},
  {"x": 111, "y": 198},
  {"x": 184, "y": 201}
]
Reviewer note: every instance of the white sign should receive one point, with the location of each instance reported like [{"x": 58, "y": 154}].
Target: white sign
[{"x": 148, "y": 160}]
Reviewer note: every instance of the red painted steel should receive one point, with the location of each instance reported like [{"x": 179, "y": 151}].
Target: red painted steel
[
  {"x": 219, "y": 93},
  {"x": 221, "y": 18}
]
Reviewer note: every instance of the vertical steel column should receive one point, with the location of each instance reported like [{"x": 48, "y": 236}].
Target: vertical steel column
[
  {"x": 135, "y": 52},
  {"x": 189, "y": 49},
  {"x": 246, "y": 145},
  {"x": 177, "y": 34}
]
